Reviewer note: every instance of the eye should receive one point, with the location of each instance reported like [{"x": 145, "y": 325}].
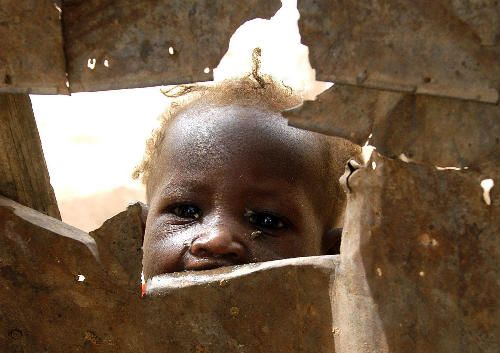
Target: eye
[
  {"x": 265, "y": 220},
  {"x": 186, "y": 211}
]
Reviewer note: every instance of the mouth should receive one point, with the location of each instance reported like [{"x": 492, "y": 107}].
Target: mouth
[{"x": 203, "y": 264}]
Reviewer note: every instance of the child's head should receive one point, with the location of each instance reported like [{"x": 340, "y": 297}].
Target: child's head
[{"x": 229, "y": 182}]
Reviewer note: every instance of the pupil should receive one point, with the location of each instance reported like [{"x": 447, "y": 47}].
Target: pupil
[
  {"x": 190, "y": 211},
  {"x": 268, "y": 221},
  {"x": 186, "y": 211}
]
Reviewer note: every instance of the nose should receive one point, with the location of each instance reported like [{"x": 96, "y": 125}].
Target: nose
[{"x": 220, "y": 242}]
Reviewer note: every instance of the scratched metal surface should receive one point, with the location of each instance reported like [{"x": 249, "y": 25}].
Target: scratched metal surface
[
  {"x": 135, "y": 38},
  {"x": 31, "y": 47},
  {"x": 420, "y": 262},
  {"x": 445, "y": 48},
  {"x": 43, "y": 306},
  {"x": 440, "y": 131}
]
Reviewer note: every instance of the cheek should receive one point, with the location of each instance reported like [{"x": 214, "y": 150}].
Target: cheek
[
  {"x": 273, "y": 249},
  {"x": 313, "y": 228},
  {"x": 313, "y": 240},
  {"x": 163, "y": 249},
  {"x": 313, "y": 235},
  {"x": 304, "y": 242},
  {"x": 285, "y": 246}
]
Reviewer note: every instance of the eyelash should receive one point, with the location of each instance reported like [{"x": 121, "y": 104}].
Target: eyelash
[
  {"x": 185, "y": 211},
  {"x": 255, "y": 218},
  {"x": 264, "y": 216}
]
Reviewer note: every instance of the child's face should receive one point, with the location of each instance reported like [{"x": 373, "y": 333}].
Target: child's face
[{"x": 234, "y": 185}]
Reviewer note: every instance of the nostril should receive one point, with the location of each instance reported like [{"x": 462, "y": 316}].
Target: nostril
[
  {"x": 233, "y": 256},
  {"x": 198, "y": 247},
  {"x": 198, "y": 251},
  {"x": 218, "y": 245}
]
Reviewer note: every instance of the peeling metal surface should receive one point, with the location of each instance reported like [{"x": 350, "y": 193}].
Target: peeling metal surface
[
  {"x": 31, "y": 48},
  {"x": 443, "y": 48},
  {"x": 440, "y": 131},
  {"x": 128, "y": 43},
  {"x": 420, "y": 262},
  {"x": 56, "y": 297}
]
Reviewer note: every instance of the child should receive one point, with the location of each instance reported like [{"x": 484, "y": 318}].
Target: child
[{"x": 229, "y": 182}]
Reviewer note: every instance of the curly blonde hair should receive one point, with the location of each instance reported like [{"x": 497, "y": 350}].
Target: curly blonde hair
[{"x": 254, "y": 90}]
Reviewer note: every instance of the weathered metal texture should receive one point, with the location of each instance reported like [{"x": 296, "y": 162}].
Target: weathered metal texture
[
  {"x": 40, "y": 260},
  {"x": 420, "y": 262},
  {"x": 44, "y": 308},
  {"x": 242, "y": 309},
  {"x": 23, "y": 172},
  {"x": 344, "y": 111},
  {"x": 444, "y": 48},
  {"x": 441, "y": 131},
  {"x": 147, "y": 43},
  {"x": 31, "y": 47},
  {"x": 119, "y": 241}
]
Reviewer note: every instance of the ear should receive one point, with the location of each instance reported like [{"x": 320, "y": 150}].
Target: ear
[{"x": 331, "y": 242}]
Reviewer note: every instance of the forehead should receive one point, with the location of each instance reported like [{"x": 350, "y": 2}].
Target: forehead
[{"x": 234, "y": 139}]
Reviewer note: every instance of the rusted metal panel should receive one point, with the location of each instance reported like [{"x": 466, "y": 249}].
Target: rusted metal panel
[
  {"x": 419, "y": 262},
  {"x": 243, "y": 309},
  {"x": 441, "y": 131},
  {"x": 345, "y": 111},
  {"x": 119, "y": 241},
  {"x": 31, "y": 47},
  {"x": 44, "y": 306},
  {"x": 40, "y": 260},
  {"x": 129, "y": 43},
  {"x": 23, "y": 172},
  {"x": 444, "y": 48}
]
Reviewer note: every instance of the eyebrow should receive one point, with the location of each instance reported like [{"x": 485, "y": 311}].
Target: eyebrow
[
  {"x": 283, "y": 199},
  {"x": 185, "y": 185}
]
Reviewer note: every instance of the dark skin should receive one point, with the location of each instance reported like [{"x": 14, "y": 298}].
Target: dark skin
[{"x": 234, "y": 185}]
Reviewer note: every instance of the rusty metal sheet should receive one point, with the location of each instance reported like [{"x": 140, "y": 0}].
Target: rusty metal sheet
[
  {"x": 40, "y": 260},
  {"x": 119, "y": 241},
  {"x": 130, "y": 43},
  {"x": 441, "y": 131},
  {"x": 23, "y": 172},
  {"x": 31, "y": 47},
  {"x": 46, "y": 306},
  {"x": 444, "y": 48},
  {"x": 344, "y": 111},
  {"x": 243, "y": 309},
  {"x": 420, "y": 261}
]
